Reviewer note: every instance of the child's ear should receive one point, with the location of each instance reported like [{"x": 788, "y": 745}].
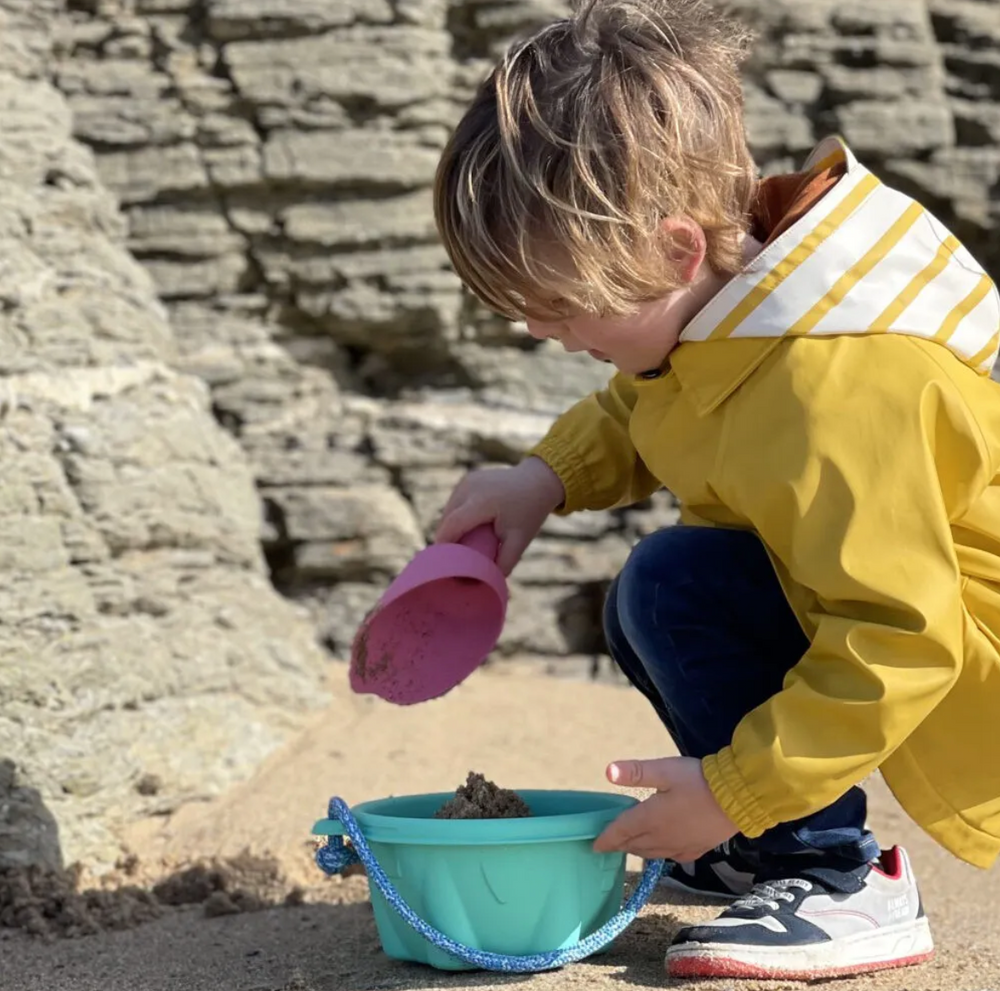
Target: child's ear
[{"x": 685, "y": 246}]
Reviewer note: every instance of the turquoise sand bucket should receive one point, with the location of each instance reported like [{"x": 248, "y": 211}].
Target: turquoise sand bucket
[{"x": 505, "y": 894}]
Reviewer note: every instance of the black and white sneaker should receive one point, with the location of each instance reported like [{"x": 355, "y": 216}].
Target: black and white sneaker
[
  {"x": 723, "y": 873},
  {"x": 820, "y": 923}
]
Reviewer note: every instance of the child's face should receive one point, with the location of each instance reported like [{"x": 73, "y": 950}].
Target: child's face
[
  {"x": 634, "y": 344},
  {"x": 641, "y": 341}
]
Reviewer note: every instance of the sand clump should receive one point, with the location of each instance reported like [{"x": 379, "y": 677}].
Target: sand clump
[
  {"x": 51, "y": 903},
  {"x": 482, "y": 799},
  {"x": 48, "y": 903}
]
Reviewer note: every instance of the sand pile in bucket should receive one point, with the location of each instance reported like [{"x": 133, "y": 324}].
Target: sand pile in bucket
[{"x": 482, "y": 799}]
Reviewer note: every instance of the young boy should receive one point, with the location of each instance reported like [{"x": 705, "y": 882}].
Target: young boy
[{"x": 804, "y": 362}]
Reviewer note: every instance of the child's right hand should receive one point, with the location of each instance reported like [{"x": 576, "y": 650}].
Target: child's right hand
[{"x": 515, "y": 500}]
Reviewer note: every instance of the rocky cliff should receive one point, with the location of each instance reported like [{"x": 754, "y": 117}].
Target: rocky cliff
[
  {"x": 273, "y": 160},
  {"x": 233, "y": 354},
  {"x": 145, "y": 657}
]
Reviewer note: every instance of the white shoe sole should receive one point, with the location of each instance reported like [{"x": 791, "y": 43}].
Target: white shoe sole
[{"x": 902, "y": 945}]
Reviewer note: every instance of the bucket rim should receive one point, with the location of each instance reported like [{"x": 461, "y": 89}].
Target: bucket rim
[{"x": 378, "y": 827}]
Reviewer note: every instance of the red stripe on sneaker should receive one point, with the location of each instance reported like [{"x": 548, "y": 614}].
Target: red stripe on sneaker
[{"x": 714, "y": 966}]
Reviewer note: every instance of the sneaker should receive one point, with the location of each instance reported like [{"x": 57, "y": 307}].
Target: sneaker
[
  {"x": 820, "y": 923},
  {"x": 723, "y": 873}
]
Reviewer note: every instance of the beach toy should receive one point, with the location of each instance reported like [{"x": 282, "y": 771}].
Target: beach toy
[
  {"x": 435, "y": 624},
  {"x": 512, "y": 895}
]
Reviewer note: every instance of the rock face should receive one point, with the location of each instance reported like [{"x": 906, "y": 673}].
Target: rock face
[
  {"x": 287, "y": 384},
  {"x": 144, "y": 655},
  {"x": 274, "y": 162}
]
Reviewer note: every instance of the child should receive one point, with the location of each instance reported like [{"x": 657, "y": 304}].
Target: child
[{"x": 804, "y": 362}]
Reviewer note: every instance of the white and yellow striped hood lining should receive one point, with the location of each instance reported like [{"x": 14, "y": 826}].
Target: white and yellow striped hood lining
[{"x": 866, "y": 259}]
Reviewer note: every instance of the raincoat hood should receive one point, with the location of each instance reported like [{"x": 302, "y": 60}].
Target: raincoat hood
[{"x": 864, "y": 259}]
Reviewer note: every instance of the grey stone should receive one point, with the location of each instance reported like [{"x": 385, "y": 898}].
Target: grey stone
[
  {"x": 141, "y": 175},
  {"x": 128, "y": 121},
  {"x": 309, "y": 460},
  {"x": 551, "y": 560},
  {"x": 357, "y": 157},
  {"x": 29, "y": 833},
  {"x": 337, "y": 514},
  {"x": 543, "y": 379},
  {"x": 533, "y": 625},
  {"x": 845, "y": 84},
  {"x": 772, "y": 125},
  {"x": 232, "y": 19},
  {"x": 555, "y": 620},
  {"x": 387, "y": 68},
  {"x": 361, "y": 223},
  {"x": 583, "y": 526},
  {"x": 795, "y": 86},
  {"x": 437, "y": 434},
  {"x": 164, "y": 6},
  {"x": 234, "y": 167},
  {"x": 342, "y": 610},
  {"x": 346, "y": 533},
  {"x": 658, "y": 513},
  {"x": 907, "y": 126},
  {"x": 961, "y": 177},
  {"x": 489, "y": 24},
  {"x": 428, "y": 13},
  {"x": 191, "y": 233},
  {"x": 191, "y": 278},
  {"x": 428, "y": 490}
]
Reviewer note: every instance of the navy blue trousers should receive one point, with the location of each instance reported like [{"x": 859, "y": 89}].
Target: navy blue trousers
[{"x": 698, "y": 622}]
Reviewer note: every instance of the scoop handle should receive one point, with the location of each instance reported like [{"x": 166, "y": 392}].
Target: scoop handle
[{"x": 482, "y": 539}]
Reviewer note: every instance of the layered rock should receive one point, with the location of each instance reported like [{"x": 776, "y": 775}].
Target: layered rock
[
  {"x": 274, "y": 162},
  {"x": 145, "y": 658}
]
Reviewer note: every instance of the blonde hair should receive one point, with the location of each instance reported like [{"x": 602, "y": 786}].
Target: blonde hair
[{"x": 551, "y": 192}]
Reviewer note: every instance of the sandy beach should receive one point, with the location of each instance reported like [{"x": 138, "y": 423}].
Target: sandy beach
[{"x": 519, "y": 728}]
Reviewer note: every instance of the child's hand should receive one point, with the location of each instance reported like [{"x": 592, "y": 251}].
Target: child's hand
[
  {"x": 515, "y": 500},
  {"x": 680, "y": 822}
]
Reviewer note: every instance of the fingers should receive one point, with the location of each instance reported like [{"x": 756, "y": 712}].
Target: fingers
[
  {"x": 623, "y": 832},
  {"x": 645, "y": 832},
  {"x": 656, "y": 774},
  {"x": 512, "y": 547},
  {"x": 463, "y": 518}
]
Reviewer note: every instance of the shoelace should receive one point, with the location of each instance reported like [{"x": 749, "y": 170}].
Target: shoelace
[{"x": 770, "y": 893}]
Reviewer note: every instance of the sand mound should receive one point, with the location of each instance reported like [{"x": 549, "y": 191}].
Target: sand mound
[
  {"x": 51, "y": 903},
  {"x": 482, "y": 799}
]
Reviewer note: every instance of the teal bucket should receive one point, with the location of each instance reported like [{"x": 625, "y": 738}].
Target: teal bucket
[{"x": 510, "y": 886}]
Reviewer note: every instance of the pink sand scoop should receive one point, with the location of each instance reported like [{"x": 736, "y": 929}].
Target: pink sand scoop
[{"x": 435, "y": 624}]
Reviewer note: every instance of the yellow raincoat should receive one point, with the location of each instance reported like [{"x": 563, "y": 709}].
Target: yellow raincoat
[{"x": 835, "y": 398}]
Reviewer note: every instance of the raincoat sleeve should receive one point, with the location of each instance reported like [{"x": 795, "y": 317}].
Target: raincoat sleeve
[
  {"x": 852, "y": 489},
  {"x": 590, "y": 449}
]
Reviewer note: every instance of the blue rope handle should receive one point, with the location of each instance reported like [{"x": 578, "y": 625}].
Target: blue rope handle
[{"x": 334, "y": 857}]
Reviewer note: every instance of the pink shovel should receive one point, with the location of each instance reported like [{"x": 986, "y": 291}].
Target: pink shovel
[{"x": 435, "y": 624}]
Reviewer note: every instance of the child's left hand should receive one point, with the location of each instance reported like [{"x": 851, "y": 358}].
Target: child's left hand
[{"x": 680, "y": 822}]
